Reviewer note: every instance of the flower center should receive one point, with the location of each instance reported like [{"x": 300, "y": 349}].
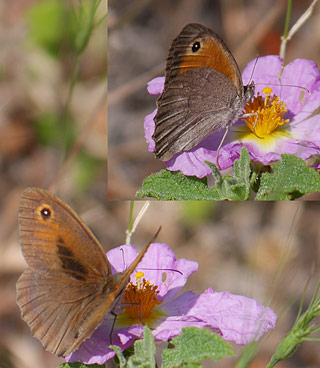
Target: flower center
[
  {"x": 141, "y": 297},
  {"x": 267, "y": 114}
]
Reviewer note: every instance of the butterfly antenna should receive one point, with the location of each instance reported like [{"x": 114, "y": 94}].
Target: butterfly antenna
[
  {"x": 155, "y": 236},
  {"x": 283, "y": 85},
  {"x": 160, "y": 269},
  {"x": 253, "y": 69}
]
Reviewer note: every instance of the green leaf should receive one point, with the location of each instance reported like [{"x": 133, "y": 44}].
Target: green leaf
[
  {"x": 167, "y": 185},
  {"x": 80, "y": 365},
  {"x": 290, "y": 178},
  {"x": 242, "y": 170},
  {"x": 192, "y": 347},
  {"x": 122, "y": 360},
  {"x": 235, "y": 187},
  {"x": 144, "y": 352}
]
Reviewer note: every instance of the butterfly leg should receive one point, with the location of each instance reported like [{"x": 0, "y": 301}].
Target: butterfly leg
[
  {"x": 220, "y": 145},
  {"x": 115, "y": 315},
  {"x": 140, "y": 310},
  {"x": 254, "y": 127},
  {"x": 255, "y": 123}
]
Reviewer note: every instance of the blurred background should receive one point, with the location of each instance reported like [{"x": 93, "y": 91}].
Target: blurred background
[
  {"x": 140, "y": 34},
  {"x": 53, "y": 70},
  {"x": 266, "y": 251},
  {"x": 53, "y": 122}
]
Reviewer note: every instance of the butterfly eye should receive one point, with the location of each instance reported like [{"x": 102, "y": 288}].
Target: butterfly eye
[
  {"x": 196, "y": 46},
  {"x": 45, "y": 213}
]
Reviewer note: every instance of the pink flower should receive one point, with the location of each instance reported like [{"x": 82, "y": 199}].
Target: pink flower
[
  {"x": 234, "y": 317},
  {"x": 296, "y": 131}
]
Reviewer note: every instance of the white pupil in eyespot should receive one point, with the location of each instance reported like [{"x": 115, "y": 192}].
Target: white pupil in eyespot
[
  {"x": 45, "y": 212},
  {"x": 196, "y": 46}
]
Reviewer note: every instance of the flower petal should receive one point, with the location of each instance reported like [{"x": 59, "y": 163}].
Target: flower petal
[
  {"x": 121, "y": 257},
  {"x": 262, "y": 76},
  {"x": 299, "y": 73},
  {"x": 96, "y": 349},
  {"x": 156, "y": 85},
  {"x": 238, "y": 318},
  {"x": 159, "y": 262},
  {"x": 149, "y": 126}
]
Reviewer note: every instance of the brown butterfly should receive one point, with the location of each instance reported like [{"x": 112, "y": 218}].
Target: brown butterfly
[
  {"x": 203, "y": 91},
  {"x": 68, "y": 288}
]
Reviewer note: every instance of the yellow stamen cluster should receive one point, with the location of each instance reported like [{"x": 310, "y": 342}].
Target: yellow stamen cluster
[
  {"x": 142, "y": 296},
  {"x": 267, "y": 114}
]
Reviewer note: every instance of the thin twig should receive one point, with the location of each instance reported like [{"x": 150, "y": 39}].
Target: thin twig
[
  {"x": 254, "y": 37},
  {"x": 299, "y": 23},
  {"x": 136, "y": 222},
  {"x": 131, "y": 87}
]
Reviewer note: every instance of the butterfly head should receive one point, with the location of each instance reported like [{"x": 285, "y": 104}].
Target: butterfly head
[{"x": 249, "y": 91}]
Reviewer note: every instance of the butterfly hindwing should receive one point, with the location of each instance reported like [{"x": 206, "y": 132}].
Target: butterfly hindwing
[{"x": 187, "y": 113}]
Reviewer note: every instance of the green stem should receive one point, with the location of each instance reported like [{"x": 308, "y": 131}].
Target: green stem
[
  {"x": 74, "y": 78},
  {"x": 311, "y": 339},
  {"x": 286, "y": 26},
  {"x": 284, "y": 40}
]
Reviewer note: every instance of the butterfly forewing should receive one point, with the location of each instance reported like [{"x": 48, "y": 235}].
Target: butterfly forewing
[
  {"x": 190, "y": 106},
  {"x": 55, "y": 240},
  {"x": 213, "y": 53},
  {"x": 68, "y": 288}
]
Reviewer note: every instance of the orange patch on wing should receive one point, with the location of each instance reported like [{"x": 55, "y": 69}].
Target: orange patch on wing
[{"x": 210, "y": 55}]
